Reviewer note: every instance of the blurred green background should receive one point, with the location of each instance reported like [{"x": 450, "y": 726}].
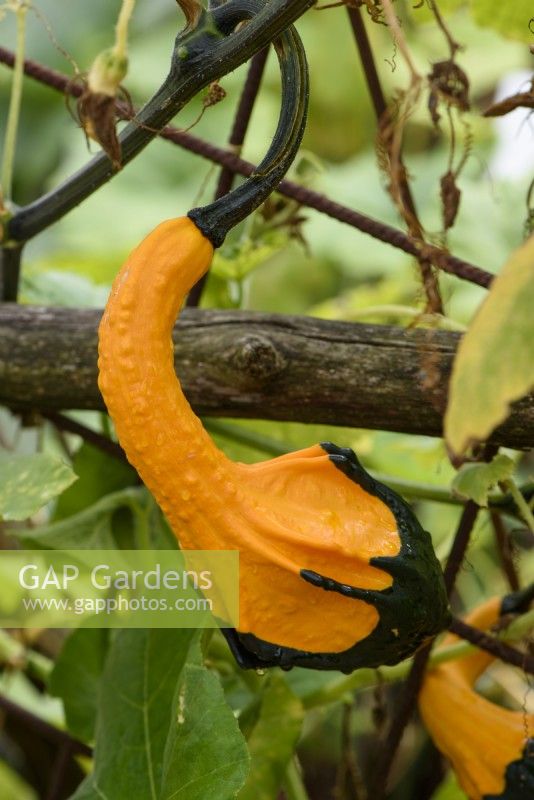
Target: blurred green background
[
  {"x": 92, "y": 241},
  {"x": 340, "y": 274}
]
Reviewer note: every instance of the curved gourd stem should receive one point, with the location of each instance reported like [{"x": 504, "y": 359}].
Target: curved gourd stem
[
  {"x": 199, "y": 57},
  {"x": 216, "y": 219}
]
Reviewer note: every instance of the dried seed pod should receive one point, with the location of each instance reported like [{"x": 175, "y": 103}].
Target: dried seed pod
[{"x": 450, "y": 199}]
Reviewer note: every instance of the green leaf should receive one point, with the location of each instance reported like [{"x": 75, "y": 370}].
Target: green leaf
[
  {"x": 494, "y": 365},
  {"x": 92, "y": 529},
  {"x": 75, "y": 679},
  {"x": 423, "y": 13},
  {"x": 273, "y": 740},
  {"x": 12, "y": 787},
  {"x": 62, "y": 288},
  {"x": 16, "y": 686},
  {"x": 206, "y": 757},
  {"x": 237, "y": 259},
  {"x": 475, "y": 481},
  {"x": 99, "y": 474},
  {"x": 128, "y": 519},
  {"x": 509, "y": 18},
  {"x": 28, "y": 482},
  {"x": 449, "y": 790},
  {"x": 134, "y": 713}
]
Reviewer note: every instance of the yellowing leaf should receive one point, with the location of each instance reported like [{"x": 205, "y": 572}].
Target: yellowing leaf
[
  {"x": 28, "y": 482},
  {"x": 421, "y": 12},
  {"x": 494, "y": 365},
  {"x": 474, "y": 481},
  {"x": 236, "y": 260},
  {"x": 509, "y": 17}
]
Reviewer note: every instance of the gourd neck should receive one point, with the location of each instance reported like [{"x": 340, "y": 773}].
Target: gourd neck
[{"x": 159, "y": 431}]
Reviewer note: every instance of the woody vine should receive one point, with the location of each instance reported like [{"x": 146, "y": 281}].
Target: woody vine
[{"x": 478, "y": 416}]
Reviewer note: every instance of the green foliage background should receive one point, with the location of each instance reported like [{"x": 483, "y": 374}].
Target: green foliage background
[{"x": 341, "y": 275}]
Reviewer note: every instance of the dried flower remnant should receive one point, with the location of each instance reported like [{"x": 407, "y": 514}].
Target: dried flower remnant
[
  {"x": 214, "y": 95},
  {"x": 95, "y": 109},
  {"x": 449, "y": 84},
  {"x": 97, "y": 116}
]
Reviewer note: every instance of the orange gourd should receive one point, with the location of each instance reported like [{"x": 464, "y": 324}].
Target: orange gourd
[
  {"x": 297, "y": 513},
  {"x": 335, "y": 570},
  {"x": 488, "y": 746}
]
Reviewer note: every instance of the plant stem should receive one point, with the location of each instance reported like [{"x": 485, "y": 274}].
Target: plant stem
[
  {"x": 339, "y": 688},
  {"x": 26, "y": 226},
  {"x": 14, "y": 653},
  {"x": 460, "y": 544},
  {"x": 493, "y": 646},
  {"x": 10, "y": 262},
  {"x": 395, "y": 310},
  {"x": 121, "y": 29},
  {"x": 294, "y": 785},
  {"x": 249, "y": 438},
  {"x": 243, "y": 115},
  {"x": 10, "y": 141},
  {"x": 142, "y": 526},
  {"x": 50, "y": 733},
  {"x": 521, "y": 503},
  {"x": 505, "y": 547},
  {"x": 209, "y": 57},
  {"x": 453, "y": 44},
  {"x": 102, "y": 442},
  {"x": 398, "y": 36},
  {"x": 407, "y": 202}
]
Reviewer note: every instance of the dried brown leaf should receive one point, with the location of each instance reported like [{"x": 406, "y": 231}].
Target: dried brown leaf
[
  {"x": 449, "y": 84},
  {"x": 450, "y": 199},
  {"x": 192, "y": 9},
  {"x": 96, "y": 114}
]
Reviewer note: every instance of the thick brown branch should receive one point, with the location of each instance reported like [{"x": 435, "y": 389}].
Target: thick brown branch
[
  {"x": 246, "y": 364},
  {"x": 43, "y": 728}
]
